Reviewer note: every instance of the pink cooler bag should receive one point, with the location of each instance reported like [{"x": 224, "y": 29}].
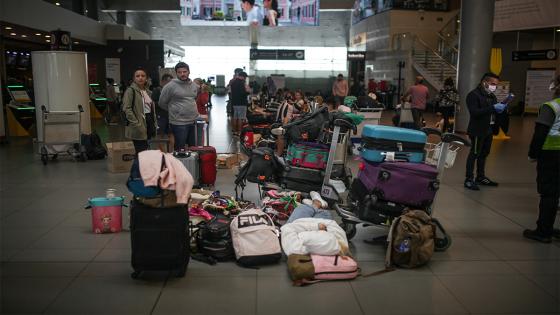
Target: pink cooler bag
[
  {"x": 334, "y": 267},
  {"x": 106, "y": 214}
]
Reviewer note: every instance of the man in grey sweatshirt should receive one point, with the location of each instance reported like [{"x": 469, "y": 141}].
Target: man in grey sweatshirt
[{"x": 178, "y": 98}]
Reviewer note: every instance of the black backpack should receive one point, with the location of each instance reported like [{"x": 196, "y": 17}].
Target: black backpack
[
  {"x": 213, "y": 239},
  {"x": 93, "y": 146},
  {"x": 263, "y": 167},
  {"x": 308, "y": 127}
]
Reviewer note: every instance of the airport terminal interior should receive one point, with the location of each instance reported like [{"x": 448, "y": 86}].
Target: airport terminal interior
[{"x": 304, "y": 72}]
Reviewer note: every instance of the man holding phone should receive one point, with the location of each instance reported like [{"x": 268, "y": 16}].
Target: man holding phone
[{"x": 483, "y": 106}]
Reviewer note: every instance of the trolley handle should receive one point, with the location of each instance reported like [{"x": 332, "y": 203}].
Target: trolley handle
[
  {"x": 432, "y": 131},
  {"x": 345, "y": 124},
  {"x": 44, "y": 109},
  {"x": 451, "y": 137},
  {"x": 80, "y": 108}
]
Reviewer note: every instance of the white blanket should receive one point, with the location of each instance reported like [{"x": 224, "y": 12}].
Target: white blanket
[{"x": 304, "y": 237}]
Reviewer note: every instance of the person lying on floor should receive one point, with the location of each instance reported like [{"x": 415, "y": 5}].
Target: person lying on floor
[
  {"x": 315, "y": 207},
  {"x": 311, "y": 230}
]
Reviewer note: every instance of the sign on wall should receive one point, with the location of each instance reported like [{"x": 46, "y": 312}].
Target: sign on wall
[
  {"x": 515, "y": 15},
  {"x": 113, "y": 69},
  {"x": 277, "y": 54},
  {"x": 356, "y": 55},
  {"x": 536, "y": 88},
  {"x": 544, "y": 54}
]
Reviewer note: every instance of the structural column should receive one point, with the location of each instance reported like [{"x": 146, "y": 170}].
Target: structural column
[
  {"x": 121, "y": 17},
  {"x": 475, "y": 44}
]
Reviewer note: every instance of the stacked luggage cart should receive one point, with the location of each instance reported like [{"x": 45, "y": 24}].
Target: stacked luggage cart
[{"x": 399, "y": 171}]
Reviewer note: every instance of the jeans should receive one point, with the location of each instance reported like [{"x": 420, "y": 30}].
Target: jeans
[
  {"x": 305, "y": 211},
  {"x": 480, "y": 148},
  {"x": 184, "y": 135}
]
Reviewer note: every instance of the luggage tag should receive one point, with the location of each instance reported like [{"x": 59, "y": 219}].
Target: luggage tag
[{"x": 390, "y": 156}]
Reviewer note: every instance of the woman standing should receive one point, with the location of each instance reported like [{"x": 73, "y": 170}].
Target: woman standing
[
  {"x": 139, "y": 109},
  {"x": 447, "y": 101},
  {"x": 271, "y": 12}
]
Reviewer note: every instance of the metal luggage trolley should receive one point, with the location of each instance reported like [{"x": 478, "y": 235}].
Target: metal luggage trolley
[{"x": 61, "y": 128}]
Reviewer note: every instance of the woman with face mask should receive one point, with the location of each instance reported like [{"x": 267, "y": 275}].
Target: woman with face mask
[
  {"x": 139, "y": 109},
  {"x": 483, "y": 106}
]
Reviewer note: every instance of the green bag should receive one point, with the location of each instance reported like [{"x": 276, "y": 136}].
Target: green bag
[{"x": 308, "y": 155}]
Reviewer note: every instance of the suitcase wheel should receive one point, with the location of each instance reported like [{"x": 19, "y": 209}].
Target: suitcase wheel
[
  {"x": 135, "y": 274},
  {"x": 442, "y": 243}
]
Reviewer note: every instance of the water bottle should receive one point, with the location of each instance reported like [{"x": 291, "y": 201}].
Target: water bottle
[
  {"x": 110, "y": 193},
  {"x": 404, "y": 246}
]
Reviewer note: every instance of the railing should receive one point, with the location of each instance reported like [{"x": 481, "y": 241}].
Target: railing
[{"x": 448, "y": 38}]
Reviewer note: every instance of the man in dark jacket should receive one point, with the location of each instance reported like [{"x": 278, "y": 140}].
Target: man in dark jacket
[
  {"x": 545, "y": 150},
  {"x": 483, "y": 106}
]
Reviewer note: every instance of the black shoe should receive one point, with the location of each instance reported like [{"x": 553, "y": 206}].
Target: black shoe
[
  {"x": 536, "y": 236},
  {"x": 470, "y": 184},
  {"x": 485, "y": 181}
]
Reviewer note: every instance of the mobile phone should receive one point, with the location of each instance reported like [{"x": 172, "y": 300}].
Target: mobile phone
[{"x": 508, "y": 98}]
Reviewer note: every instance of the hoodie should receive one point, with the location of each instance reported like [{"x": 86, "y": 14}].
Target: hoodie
[{"x": 178, "y": 98}]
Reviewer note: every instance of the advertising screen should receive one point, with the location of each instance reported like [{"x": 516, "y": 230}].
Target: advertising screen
[{"x": 267, "y": 13}]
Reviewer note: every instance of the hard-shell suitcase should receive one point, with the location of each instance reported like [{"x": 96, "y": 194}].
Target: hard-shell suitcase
[
  {"x": 380, "y": 143},
  {"x": 159, "y": 239},
  {"x": 191, "y": 161},
  {"x": 302, "y": 179},
  {"x": 308, "y": 155},
  {"x": 411, "y": 184},
  {"x": 207, "y": 157}
]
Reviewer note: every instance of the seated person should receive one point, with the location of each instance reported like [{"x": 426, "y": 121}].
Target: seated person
[
  {"x": 300, "y": 105},
  {"x": 284, "y": 115}
]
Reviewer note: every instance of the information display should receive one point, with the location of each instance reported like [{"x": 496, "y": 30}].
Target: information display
[{"x": 536, "y": 88}]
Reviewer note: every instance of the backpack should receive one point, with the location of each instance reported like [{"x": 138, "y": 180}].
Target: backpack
[
  {"x": 213, "y": 239},
  {"x": 135, "y": 184},
  {"x": 93, "y": 146},
  {"x": 308, "y": 127},
  {"x": 255, "y": 238},
  {"x": 411, "y": 240}
]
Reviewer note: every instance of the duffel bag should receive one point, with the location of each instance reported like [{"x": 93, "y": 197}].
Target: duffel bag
[{"x": 309, "y": 155}]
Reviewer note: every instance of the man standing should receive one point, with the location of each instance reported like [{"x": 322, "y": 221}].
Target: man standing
[
  {"x": 419, "y": 95},
  {"x": 239, "y": 93},
  {"x": 482, "y": 106},
  {"x": 178, "y": 98},
  {"x": 340, "y": 89},
  {"x": 254, "y": 14},
  {"x": 545, "y": 150}
]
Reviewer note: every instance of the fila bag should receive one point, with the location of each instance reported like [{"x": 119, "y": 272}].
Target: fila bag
[{"x": 255, "y": 238}]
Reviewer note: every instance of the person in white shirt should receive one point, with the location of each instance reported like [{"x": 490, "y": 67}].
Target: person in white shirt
[{"x": 254, "y": 13}]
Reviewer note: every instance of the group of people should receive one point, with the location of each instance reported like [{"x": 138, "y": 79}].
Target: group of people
[
  {"x": 174, "y": 109},
  {"x": 256, "y": 16}
]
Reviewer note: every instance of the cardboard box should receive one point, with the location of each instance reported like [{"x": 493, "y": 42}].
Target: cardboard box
[
  {"x": 115, "y": 153},
  {"x": 227, "y": 160}
]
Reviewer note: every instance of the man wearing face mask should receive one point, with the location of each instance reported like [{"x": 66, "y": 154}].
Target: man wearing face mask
[
  {"x": 483, "y": 106},
  {"x": 545, "y": 150}
]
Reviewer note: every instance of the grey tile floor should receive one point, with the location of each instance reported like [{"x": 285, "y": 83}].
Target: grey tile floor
[{"x": 52, "y": 263}]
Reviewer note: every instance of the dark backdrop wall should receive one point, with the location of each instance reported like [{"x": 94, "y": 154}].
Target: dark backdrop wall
[{"x": 147, "y": 54}]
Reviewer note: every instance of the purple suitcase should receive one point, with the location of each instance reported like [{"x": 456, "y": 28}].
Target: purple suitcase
[{"x": 411, "y": 184}]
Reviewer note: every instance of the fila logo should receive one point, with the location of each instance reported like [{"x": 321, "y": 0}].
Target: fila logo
[{"x": 252, "y": 220}]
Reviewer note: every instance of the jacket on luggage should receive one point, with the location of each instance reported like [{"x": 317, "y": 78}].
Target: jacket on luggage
[
  {"x": 481, "y": 110},
  {"x": 133, "y": 108},
  {"x": 304, "y": 237}
]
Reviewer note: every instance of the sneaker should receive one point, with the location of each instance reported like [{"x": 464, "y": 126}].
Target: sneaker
[
  {"x": 307, "y": 202},
  {"x": 278, "y": 131},
  {"x": 485, "y": 181},
  {"x": 470, "y": 184},
  {"x": 536, "y": 236},
  {"x": 316, "y": 196}
]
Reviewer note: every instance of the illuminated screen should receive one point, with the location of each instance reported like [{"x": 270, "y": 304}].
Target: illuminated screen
[{"x": 267, "y": 13}]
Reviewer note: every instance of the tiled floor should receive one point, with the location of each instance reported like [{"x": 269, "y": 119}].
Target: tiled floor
[{"x": 52, "y": 263}]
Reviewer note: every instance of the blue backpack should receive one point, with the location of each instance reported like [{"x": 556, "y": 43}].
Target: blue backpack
[{"x": 135, "y": 183}]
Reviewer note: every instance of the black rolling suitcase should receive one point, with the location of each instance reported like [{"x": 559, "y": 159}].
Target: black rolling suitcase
[
  {"x": 302, "y": 179},
  {"x": 160, "y": 239}
]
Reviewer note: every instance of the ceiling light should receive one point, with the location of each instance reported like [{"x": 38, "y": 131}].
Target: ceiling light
[
  {"x": 38, "y": 34},
  {"x": 13, "y": 34},
  {"x": 48, "y": 40},
  {"x": 57, "y": 3},
  {"x": 8, "y": 27},
  {"x": 24, "y": 36},
  {"x": 76, "y": 43},
  {"x": 48, "y": 36},
  {"x": 558, "y": 30}
]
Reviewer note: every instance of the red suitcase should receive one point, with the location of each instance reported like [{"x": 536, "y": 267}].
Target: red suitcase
[{"x": 207, "y": 160}]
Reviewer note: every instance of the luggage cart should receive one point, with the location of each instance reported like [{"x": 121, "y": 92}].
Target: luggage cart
[
  {"x": 61, "y": 128},
  {"x": 441, "y": 156}
]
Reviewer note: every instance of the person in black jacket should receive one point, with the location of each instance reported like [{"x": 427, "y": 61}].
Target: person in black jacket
[
  {"x": 239, "y": 92},
  {"x": 483, "y": 106}
]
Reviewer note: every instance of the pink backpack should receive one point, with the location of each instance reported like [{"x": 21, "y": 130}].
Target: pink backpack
[{"x": 328, "y": 268}]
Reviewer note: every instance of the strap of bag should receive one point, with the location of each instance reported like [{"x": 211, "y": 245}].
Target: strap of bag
[{"x": 388, "y": 265}]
